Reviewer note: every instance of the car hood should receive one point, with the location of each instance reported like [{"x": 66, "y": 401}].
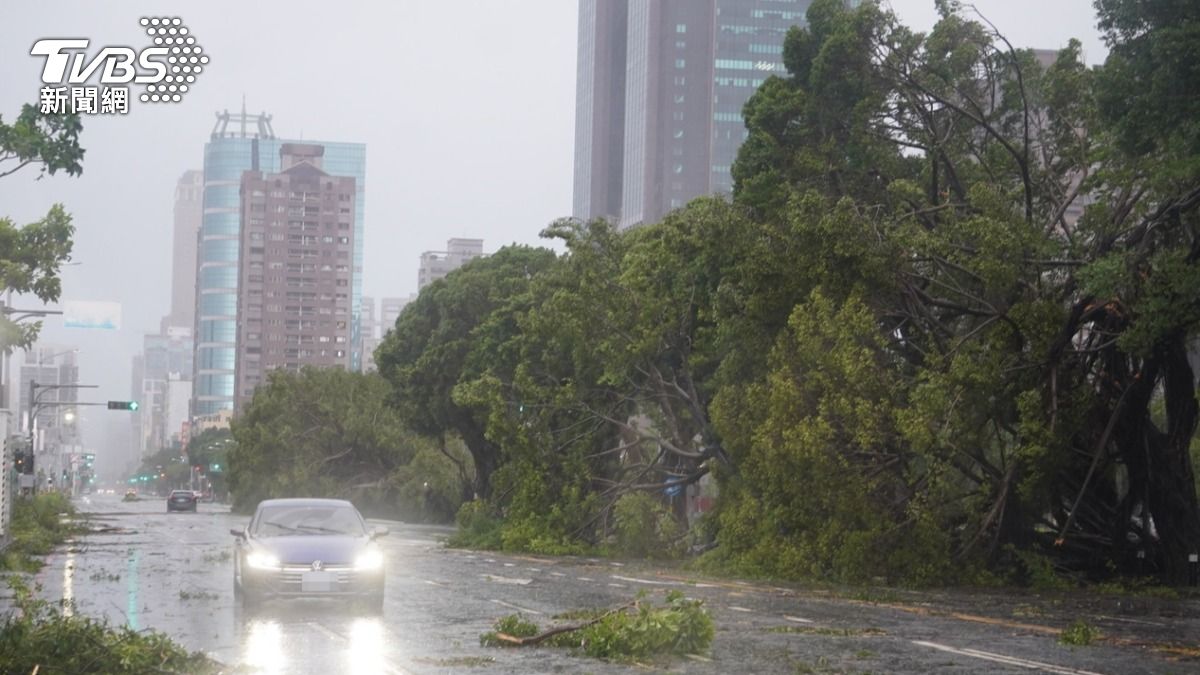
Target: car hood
[{"x": 304, "y": 549}]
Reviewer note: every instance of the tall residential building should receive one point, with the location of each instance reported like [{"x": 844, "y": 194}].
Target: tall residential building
[
  {"x": 189, "y": 193},
  {"x": 240, "y": 143},
  {"x": 661, "y": 85},
  {"x": 295, "y": 269},
  {"x": 437, "y": 264}
]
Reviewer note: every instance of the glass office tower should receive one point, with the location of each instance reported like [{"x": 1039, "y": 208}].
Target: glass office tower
[
  {"x": 659, "y": 97},
  {"x": 242, "y": 142}
]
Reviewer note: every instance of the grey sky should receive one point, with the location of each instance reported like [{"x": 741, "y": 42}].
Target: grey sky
[{"x": 466, "y": 108}]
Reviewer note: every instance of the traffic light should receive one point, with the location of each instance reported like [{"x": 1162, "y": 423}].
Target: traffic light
[
  {"x": 22, "y": 463},
  {"x": 122, "y": 405}
]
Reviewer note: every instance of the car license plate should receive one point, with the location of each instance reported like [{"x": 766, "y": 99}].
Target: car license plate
[{"x": 318, "y": 582}]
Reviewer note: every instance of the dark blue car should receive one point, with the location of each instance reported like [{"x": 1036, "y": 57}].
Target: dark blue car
[{"x": 308, "y": 548}]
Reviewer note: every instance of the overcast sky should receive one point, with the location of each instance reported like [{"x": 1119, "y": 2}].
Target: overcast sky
[{"x": 466, "y": 109}]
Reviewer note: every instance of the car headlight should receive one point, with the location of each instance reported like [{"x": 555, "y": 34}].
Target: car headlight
[
  {"x": 262, "y": 561},
  {"x": 369, "y": 560}
]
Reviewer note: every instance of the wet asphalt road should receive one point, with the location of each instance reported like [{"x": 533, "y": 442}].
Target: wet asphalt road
[{"x": 173, "y": 573}]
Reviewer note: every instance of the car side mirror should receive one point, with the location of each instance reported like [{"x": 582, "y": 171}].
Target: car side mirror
[
  {"x": 240, "y": 534},
  {"x": 379, "y": 532}
]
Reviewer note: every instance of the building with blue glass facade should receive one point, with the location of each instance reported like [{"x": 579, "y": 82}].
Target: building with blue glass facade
[{"x": 240, "y": 143}]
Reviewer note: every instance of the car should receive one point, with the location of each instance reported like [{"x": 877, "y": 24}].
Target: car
[
  {"x": 181, "y": 500},
  {"x": 308, "y": 548},
  {"x": 130, "y": 495}
]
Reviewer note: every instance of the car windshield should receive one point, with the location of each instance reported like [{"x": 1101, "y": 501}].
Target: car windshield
[
  {"x": 275, "y": 521},
  {"x": 181, "y": 493}
]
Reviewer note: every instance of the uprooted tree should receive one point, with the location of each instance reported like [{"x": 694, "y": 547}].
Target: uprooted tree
[
  {"x": 943, "y": 327},
  {"x": 1022, "y": 262}
]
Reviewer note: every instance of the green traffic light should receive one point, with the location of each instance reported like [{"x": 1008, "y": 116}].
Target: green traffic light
[{"x": 133, "y": 405}]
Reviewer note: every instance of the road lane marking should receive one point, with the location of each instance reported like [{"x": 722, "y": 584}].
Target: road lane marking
[
  {"x": 1007, "y": 660},
  {"x": 507, "y": 580},
  {"x": 131, "y": 590},
  {"x": 434, "y": 583},
  {"x": 740, "y": 609},
  {"x": 797, "y": 619},
  {"x": 617, "y": 585},
  {"x": 652, "y": 582},
  {"x": 557, "y": 574},
  {"x": 68, "y": 591},
  {"x": 585, "y": 578},
  {"x": 516, "y": 607},
  {"x": 697, "y": 657},
  {"x": 510, "y": 564}
]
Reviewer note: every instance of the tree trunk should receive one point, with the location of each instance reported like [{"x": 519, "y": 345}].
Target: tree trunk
[{"x": 1172, "y": 493}]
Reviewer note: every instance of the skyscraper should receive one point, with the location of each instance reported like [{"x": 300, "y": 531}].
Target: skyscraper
[
  {"x": 659, "y": 97},
  {"x": 295, "y": 269},
  {"x": 239, "y": 143},
  {"x": 189, "y": 193}
]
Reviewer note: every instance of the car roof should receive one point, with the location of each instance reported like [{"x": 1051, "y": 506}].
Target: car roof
[
  {"x": 305, "y": 501},
  {"x": 174, "y": 491}
]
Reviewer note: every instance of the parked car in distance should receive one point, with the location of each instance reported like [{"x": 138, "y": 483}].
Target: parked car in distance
[
  {"x": 181, "y": 500},
  {"x": 308, "y": 547}
]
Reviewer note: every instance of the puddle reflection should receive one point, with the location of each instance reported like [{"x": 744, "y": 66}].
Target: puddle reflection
[
  {"x": 366, "y": 646},
  {"x": 264, "y": 646},
  {"x": 318, "y": 638}
]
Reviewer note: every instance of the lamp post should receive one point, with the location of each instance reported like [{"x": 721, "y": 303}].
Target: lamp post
[{"x": 36, "y": 405}]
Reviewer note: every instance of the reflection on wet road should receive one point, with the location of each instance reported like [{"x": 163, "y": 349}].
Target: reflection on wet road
[{"x": 173, "y": 573}]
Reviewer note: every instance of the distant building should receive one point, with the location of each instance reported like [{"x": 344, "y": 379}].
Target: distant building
[
  {"x": 50, "y": 367},
  {"x": 189, "y": 203},
  {"x": 239, "y": 143},
  {"x": 161, "y": 376},
  {"x": 218, "y": 420},
  {"x": 368, "y": 333},
  {"x": 295, "y": 269},
  {"x": 659, "y": 93},
  {"x": 437, "y": 264},
  {"x": 389, "y": 311}
]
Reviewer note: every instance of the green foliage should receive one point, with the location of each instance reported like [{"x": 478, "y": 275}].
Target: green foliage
[
  {"x": 38, "y": 525},
  {"x": 1079, "y": 634},
  {"x": 922, "y": 343},
  {"x": 477, "y": 527},
  {"x": 47, "y": 141},
  {"x": 447, "y": 338},
  {"x": 31, "y": 256},
  {"x": 645, "y": 528},
  {"x": 513, "y": 625},
  {"x": 330, "y": 433},
  {"x": 30, "y": 260},
  {"x": 40, "y": 636},
  {"x": 677, "y": 627}
]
